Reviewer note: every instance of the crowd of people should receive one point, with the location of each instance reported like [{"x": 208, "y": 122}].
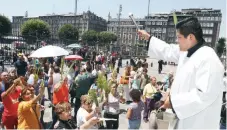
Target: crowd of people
[{"x": 22, "y": 93}]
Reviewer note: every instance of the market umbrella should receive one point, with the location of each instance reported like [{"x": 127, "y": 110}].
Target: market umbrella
[
  {"x": 74, "y": 46},
  {"x": 49, "y": 51},
  {"x": 73, "y": 57}
]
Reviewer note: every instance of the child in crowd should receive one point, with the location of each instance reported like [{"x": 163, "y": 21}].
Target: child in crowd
[{"x": 135, "y": 109}]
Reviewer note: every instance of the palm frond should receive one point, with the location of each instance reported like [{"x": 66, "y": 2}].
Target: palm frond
[
  {"x": 42, "y": 83},
  {"x": 92, "y": 95},
  {"x": 62, "y": 65},
  {"x": 102, "y": 83}
]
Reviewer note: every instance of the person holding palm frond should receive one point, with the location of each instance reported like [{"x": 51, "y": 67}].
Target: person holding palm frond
[
  {"x": 112, "y": 107},
  {"x": 124, "y": 81},
  {"x": 86, "y": 112}
]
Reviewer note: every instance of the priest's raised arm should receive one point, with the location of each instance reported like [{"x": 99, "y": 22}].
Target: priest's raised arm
[{"x": 161, "y": 50}]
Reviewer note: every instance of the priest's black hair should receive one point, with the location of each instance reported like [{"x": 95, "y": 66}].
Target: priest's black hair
[{"x": 190, "y": 25}]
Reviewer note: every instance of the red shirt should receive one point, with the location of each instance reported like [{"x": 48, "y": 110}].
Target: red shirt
[
  {"x": 11, "y": 102},
  {"x": 62, "y": 95}
]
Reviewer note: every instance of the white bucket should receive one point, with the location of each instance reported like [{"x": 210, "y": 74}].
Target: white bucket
[
  {"x": 168, "y": 116},
  {"x": 168, "y": 121},
  {"x": 162, "y": 124}
]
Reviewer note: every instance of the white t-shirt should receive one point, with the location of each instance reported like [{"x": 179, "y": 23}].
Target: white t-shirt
[
  {"x": 132, "y": 73},
  {"x": 56, "y": 79},
  {"x": 84, "y": 66},
  {"x": 140, "y": 70},
  {"x": 113, "y": 104},
  {"x": 98, "y": 58},
  {"x": 94, "y": 72},
  {"x": 81, "y": 118},
  {"x": 31, "y": 79}
]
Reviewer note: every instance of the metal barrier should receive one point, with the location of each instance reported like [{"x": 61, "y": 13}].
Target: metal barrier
[{"x": 10, "y": 46}]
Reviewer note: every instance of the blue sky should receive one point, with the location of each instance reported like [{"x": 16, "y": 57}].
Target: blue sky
[{"x": 103, "y": 7}]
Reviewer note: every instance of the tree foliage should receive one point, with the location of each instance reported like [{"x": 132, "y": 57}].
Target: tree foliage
[
  {"x": 90, "y": 37},
  {"x": 107, "y": 37},
  {"x": 68, "y": 33},
  {"x": 221, "y": 47},
  {"x": 5, "y": 25},
  {"x": 35, "y": 29}
]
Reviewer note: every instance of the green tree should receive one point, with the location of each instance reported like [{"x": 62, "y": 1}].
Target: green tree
[
  {"x": 68, "y": 33},
  {"x": 107, "y": 37},
  {"x": 221, "y": 47},
  {"x": 5, "y": 26},
  {"x": 90, "y": 37},
  {"x": 35, "y": 29}
]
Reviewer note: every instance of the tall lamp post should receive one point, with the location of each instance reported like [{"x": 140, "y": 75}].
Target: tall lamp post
[
  {"x": 148, "y": 12},
  {"x": 75, "y": 12},
  {"x": 119, "y": 22}
]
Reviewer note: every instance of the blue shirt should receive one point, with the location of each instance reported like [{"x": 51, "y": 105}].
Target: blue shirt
[
  {"x": 38, "y": 84},
  {"x": 3, "y": 87}
]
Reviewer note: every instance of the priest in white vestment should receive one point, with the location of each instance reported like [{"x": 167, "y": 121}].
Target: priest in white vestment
[{"x": 196, "y": 92}]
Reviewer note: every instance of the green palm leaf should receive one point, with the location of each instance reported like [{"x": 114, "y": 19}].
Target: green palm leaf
[{"x": 93, "y": 96}]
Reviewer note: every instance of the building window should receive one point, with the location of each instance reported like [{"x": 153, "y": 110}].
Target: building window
[
  {"x": 216, "y": 18},
  {"x": 212, "y": 24},
  {"x": 210, "y": 31},
  {"x": 164, "y": 30},
  {"x": 208, "y": 18},
  {"x": 212, "y": 18},
  {"x": 201, "y": 19},
  {"x": 201, "y": 24},
  {"x": 210, "y": 39},
  {"x": 163, "y": 37},
  {"x": 219, "y": 18}
]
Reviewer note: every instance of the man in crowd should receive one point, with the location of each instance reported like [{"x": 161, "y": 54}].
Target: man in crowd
[{"x": 21, "y": 65}]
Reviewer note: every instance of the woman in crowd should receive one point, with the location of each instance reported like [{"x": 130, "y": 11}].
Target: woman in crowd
[
  {"x": 86, "y": 112},
  {"x": 148, "y": 93},
  {"x": 63, "y": 111},
  {"x": 136, "y": 82},
  {"x": 112, "y": 106},
  {"x": 125, "y": 83},
  {"x": 10, "y": 102},
  {"x": 29, "y": 109}
]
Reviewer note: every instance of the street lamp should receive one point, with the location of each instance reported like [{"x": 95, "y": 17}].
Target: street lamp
[
  {"x": 75, "y": 12},
  {"x": 148, "y": 12}
]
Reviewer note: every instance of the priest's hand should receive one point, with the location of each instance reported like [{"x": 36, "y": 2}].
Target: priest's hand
[
  {"x": 143, "y": 35},
  {"x": 166, "y": 104}
]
